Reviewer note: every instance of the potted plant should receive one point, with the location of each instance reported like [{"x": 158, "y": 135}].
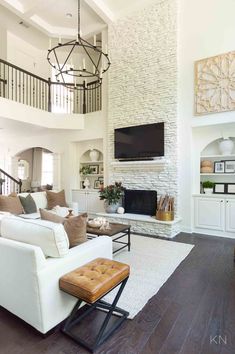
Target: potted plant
[
  {"x": 111, "y": 195},
  {"x": 208, "y": 187},
  {"x": 85, "y": 170}
]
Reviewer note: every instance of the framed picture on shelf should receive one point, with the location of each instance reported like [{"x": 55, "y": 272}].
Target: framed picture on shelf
[
  {"x": 101, "y": 169},
  {"x": 94, "y": 169},
  {"x": 97, "y": 184},
  {"x": 220, "y": 188},
  {"x": 231, "y": 188},
  {"x": 219, "y": 166},
  {"x": 230, "y": 166}
]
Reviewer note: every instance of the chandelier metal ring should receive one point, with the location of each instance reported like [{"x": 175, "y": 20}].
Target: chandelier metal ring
[{"x": 85, "y": 62}]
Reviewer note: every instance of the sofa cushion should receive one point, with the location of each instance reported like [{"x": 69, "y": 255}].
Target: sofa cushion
[
  {"x": 55, "y": 198},
  {"x": 50, "y": 237},
  {"x": 40, "y": 198},
  {"x": 75, "y": 226},
  {"x": 28, "y": 204},
  {"x": 11, "y": 204}
]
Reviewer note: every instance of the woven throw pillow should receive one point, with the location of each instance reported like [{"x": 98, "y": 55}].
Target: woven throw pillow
[
  {"x": 75, "y": 226},
  {"x": 54, "y": 198},
  {"x": 11, "y": 204},
  {"x": 28, "y": 204}
]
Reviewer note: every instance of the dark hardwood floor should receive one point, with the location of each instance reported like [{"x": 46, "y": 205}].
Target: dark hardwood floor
[{"x": 194, "y": 312}]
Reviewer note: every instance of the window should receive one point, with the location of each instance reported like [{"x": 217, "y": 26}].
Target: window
[
  {"x": 23, "y": 169},
  {"x": 47, "y": 168}
]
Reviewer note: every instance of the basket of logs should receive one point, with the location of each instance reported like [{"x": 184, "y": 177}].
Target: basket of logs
[{"x": 165, "y": 209}]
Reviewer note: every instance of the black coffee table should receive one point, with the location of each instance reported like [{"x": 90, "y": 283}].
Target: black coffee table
[{"x": 115, "y": 229}]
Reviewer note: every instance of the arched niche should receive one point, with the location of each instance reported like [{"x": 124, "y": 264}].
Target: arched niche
[{"x": 212, "y": 148}]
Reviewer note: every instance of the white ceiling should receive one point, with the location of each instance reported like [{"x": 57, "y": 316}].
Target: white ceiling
[{"x": 49, "y": 16}]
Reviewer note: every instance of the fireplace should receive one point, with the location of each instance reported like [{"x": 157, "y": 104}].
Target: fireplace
[{"x": 140, "y": 202}]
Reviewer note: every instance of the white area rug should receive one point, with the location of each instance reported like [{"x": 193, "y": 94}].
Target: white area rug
[{"x": 152, "y": 261}]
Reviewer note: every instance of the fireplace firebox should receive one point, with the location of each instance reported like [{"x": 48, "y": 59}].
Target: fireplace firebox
[{"x": 140, "y": 202}]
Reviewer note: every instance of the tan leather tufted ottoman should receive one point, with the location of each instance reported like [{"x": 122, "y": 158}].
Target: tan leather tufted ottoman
[{"x": 90, "y": 283}]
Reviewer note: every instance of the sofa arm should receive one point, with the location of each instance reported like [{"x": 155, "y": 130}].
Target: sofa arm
[{"x": 55, "y": 304}]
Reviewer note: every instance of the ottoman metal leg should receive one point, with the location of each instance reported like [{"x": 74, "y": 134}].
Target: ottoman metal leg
[{"x": 73, "y": 319}]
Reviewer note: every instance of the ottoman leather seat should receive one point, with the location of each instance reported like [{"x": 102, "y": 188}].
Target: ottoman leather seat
[{"x": 93, "y": 280}]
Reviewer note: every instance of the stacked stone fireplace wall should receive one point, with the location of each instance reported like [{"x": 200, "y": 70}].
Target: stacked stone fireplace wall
[{"x": 143, "y": 89}]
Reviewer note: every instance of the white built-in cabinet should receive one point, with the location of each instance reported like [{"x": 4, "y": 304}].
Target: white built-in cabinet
[
  {"x": 214, "y": 215},
  {"x": 88, "y": 200},
  {"x": 230, "y": 215}
]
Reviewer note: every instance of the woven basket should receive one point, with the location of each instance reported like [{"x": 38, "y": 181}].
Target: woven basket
[{"x": 165, "y": 215}]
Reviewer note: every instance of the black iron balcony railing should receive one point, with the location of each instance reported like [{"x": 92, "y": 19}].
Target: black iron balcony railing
[
  {"x": 24, "y": 87},
  {"x": 9, "y": 184}
]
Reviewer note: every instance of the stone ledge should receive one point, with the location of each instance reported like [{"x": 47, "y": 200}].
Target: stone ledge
[
  {"x": 139, "y": 217},
  {"x": 146, "y": 165}
]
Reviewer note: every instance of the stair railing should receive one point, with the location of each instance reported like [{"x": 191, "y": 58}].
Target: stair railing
[
  {"x": 22, "y": 86},
  {"x": 9, "y": 184}
]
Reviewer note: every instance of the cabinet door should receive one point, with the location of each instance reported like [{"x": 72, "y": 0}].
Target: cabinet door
[
  {"x": 209, "y": 213},
  {"x": 230, "y": 215},
  {"x": 94, "y": 204},
  {"x": 80, "y": 197}
]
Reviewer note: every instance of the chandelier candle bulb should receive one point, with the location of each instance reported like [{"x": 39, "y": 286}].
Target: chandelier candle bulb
[
  {"x": 60, "y": 41},
  {"x": 84, "y": 64},
  {"x": 50, "y": 44},
  {"x": 95, "y": 40},
  {"x": 93, "y": 69}
]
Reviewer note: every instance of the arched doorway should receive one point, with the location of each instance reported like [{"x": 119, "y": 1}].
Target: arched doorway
[{"x": 35, "y": 167}]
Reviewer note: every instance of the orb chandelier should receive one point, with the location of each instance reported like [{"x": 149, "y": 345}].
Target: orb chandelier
[{"x": 78, "y": 64}]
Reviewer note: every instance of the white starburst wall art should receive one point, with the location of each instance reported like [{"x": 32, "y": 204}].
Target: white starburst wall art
[{"x": 215, "y": 84}]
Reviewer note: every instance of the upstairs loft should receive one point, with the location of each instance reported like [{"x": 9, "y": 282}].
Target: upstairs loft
[{"x": 24, "y": 87}]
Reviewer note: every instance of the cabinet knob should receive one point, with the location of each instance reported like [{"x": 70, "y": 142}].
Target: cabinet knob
[
  {"x": 221, "y": 201},
  {"x": 226, "y": 201}
]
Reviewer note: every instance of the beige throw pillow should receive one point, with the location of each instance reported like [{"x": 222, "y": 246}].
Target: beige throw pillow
[
  {"x": 75, "y": 226},
  {"x": 54, "y": 198},
  {"x": 11, "y": 204}
]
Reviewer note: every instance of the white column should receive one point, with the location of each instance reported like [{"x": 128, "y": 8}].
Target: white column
[{"x": 56, "y": 171}]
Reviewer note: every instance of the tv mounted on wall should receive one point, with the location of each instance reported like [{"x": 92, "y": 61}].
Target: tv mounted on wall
[{"x": 139, "y": 142}]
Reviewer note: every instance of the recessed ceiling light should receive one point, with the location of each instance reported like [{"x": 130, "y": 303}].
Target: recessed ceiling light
[{"x": 69, "y": 15}]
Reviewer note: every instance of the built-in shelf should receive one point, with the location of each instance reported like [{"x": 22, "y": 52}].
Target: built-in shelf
[
  {"x": 223, "y": 157},
  {"x": 92, "y": 175},
  {"x": 151, "y": 164},
  {"x": 214, "y": 195},
  {"x": 217, "y": 174},
  {"x": 91, "y": 162}
]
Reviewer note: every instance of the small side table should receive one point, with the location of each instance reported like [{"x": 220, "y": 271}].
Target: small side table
[{"x": 115, "y": 230}]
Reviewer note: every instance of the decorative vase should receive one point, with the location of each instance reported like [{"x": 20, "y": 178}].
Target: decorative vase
[
  {"x": 86, "y": 183},
  {"x": 226, "y": 146},
  {"x": 208, "y": 190},
  {"x": 111, "y": 208},
  {"x": 94, "y": 155}
]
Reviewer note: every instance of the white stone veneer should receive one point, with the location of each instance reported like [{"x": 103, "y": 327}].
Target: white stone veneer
[{"x": 142, "y": 90}]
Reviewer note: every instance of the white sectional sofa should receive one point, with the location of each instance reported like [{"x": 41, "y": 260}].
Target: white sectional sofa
[{"x": 30, "y": 280}]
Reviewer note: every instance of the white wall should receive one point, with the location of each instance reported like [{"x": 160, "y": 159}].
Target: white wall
[
  {"x": 206, "y": 28},
  {"x": 26, "y": 56},
  {"x": 3, "y": 43}
]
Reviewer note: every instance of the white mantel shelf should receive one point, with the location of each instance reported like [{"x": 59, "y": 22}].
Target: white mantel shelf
[
  {"x": 151, "y": 164},
  {"x": 138, "y": 217}
]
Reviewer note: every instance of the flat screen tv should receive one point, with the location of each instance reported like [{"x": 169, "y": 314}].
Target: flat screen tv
[{"x": 139, "y": 142}]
